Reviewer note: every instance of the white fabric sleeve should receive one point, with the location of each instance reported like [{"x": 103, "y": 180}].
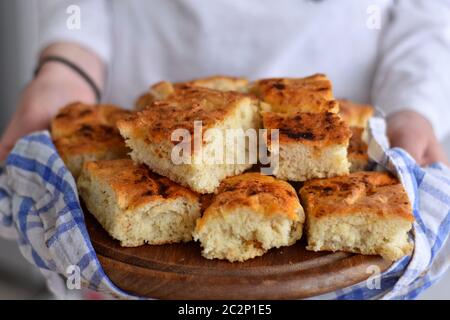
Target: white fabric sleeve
[
  {"x": 58, "y": 21},
  {"x": 414, "y": 67}
]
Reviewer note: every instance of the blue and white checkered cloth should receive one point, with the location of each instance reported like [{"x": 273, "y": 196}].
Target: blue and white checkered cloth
[{"x": 39, "y": 206}]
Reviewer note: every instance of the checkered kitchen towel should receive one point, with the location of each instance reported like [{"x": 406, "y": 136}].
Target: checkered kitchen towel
[{"x": 39, "y": 206}]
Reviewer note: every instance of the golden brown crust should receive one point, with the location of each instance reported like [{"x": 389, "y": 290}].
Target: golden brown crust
[
  {"x": 378, "y": 193},
  {"x": 319, "y": 129},
  {"x": 70, "y": 118},
  {"x": 221, "y": 83},
  {"x": 164, "y": 89},
  {"x": 83, "y": 132},
  {"x": 290, "y": 95},
  {"x": 260, "y": 193},
  {"x": 91, "y": 139},
  {"x": 357, "y": 148},
  {"x": 135, "y": 185},
  {"x": 179, "y": 111},
  {"x": 355, "y": 114}
]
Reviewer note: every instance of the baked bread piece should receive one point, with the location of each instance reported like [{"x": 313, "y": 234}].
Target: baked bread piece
[
  {"x": 70, "y": 118},
  {"x": 357, "y": 151},
  {"x": 159, "y": 91},
  {"x": 90, "y": 143},
  {"x": 148, "y": 134},
  {"x": 355, "y": 114},
  {"x": 248, "y": 215},
  {"x": 221, "y": 83},
  {"x": 83, "y": 133},
  {"x": 136, "y": 206},
  {"x": 311, "y": 145},
  {"x": 365, "y": 212},
  {"x": 162, "y": 90},
  {"x": 291, "y": 95}
]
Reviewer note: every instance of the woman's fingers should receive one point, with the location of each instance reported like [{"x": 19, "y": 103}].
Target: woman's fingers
[
  {"x": 55, "y": 87},
  {"x": 412, "y": 132}
]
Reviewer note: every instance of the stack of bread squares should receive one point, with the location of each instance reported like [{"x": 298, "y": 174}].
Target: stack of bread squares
[
  {"x": 134, "y": 205},
  {"x": 211, "y": 157},
  {"x": 313, "y": 139},
  {"x": 148, "y": 178}
]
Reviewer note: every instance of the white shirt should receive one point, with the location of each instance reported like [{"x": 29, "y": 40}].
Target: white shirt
[{"x": 393, "y": 54}]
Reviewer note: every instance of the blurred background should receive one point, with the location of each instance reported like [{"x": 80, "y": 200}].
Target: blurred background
[{"x": 18, "y": 33}]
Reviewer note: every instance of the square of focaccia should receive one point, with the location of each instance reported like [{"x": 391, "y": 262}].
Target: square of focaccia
[
  {"x": 149, "y": 135},
  {"x": 365, "y": 212},
  {"x": 83, "y": 132},
  {"x": 70, "y": 118},
  {"x": 357, "y": 151},
  {"x": 162, "y": 90},
  {"x": 355, "y": 114},
  {"x": 249, "y": 214},
  {"x": 90, "y": 143},
  {"x": 311, "y": 145},
  {"x": 312, "y": 94},
  {"x": 136, "y": 206}
]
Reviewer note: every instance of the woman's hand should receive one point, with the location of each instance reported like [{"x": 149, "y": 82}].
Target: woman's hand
[
  {"x": 411, "y": 131},
  {"x": 54, "y": 87}
]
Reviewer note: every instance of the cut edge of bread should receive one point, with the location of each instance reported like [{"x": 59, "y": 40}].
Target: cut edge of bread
[
  {"x": 243, "y": 234},
  {"x": 161, "y": 221},
  {"x": 300, "y": 162},
  {"x": 362, "y": 232},
  {"x": 199, "y": 176}
]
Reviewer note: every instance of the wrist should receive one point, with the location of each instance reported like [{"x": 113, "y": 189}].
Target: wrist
[
  {"x": 70, "y": 84},
  {"x": 76, "y": 62},
  {"x": 86, "y": 60}
]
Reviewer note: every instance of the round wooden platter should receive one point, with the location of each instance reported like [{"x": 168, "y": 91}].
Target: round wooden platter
[{"x": 178, "y": 271}]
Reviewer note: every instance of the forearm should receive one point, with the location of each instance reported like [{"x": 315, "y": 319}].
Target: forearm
[
  {"x": 55, "y": 86},
  {"x": 86, "y": 60}
]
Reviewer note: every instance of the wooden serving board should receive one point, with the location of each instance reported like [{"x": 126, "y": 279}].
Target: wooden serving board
[{"x": 178, "y": 271}]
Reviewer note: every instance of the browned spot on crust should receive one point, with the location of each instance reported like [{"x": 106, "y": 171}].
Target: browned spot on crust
[
  {"x": 135, "y": 185},
  {"x": 77, "y": 115},
  {"x": 377, "y": 192},
  {"x": 180, "y": 111},
  {"x": 290, "y": 95},
  {"x": 89, "y": 131},
  {"x": 315, "y": 128},
  {"x": 164, "y": 89},
  {"x": 263, "y": 194}
]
